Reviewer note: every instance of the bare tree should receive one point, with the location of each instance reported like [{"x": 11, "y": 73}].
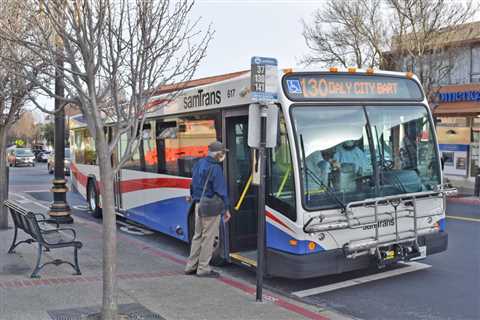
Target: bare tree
[
  {"x": 425, "y": 36},
  {"x": 15, "y": 88},
  {"x": 408, "y": 35},
  {"x": 24, "y": 128},
  {"x": 115, "y": 53},
  {"x": 349, "y": 33}
]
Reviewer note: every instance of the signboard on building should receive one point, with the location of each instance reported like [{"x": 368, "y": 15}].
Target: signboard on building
[
  {"x": 473, "y": 95},
  {"x": 455, "y": 157},
  {"x": 454, "y": 135}
]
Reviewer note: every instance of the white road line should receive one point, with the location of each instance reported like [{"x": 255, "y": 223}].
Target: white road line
[
  {"x": 25, "y": 200},
  {"x": 410, "y": 267}
]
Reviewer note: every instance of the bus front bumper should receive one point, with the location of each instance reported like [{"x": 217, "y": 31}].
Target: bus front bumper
[{"x": 286, "y": 265}]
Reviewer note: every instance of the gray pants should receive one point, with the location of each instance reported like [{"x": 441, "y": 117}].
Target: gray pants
[{"x": 206, "y": 229}]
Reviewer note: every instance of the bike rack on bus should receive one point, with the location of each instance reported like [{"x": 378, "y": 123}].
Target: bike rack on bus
[{"x": 402, "y": 206}]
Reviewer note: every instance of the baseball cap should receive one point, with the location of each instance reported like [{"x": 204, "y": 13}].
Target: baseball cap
[{"x": 216, "y": 146}]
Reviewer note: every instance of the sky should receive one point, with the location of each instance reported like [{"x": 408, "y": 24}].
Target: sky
[
  {"x": 246, "y": 28},
  {"x": 269, "y": 28}
]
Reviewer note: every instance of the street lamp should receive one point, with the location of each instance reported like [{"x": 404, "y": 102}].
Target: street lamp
[{"x": 59, "y": 209}]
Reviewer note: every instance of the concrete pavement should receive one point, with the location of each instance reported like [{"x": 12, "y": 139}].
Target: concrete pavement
[{"x": 149, "y": 279}]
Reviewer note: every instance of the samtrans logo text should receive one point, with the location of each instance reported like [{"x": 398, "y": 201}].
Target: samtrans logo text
[
  {"x": 202, "y": 99},
  {"x": 381, "y": 224}
]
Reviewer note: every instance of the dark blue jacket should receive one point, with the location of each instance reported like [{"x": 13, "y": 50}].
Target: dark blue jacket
[{"x": 216, "y": 181}]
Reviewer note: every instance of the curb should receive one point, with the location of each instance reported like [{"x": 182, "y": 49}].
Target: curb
[{"x": 464, "y": 200}]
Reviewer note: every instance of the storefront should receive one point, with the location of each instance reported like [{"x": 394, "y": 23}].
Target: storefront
[{"x": 457, "y": 114}]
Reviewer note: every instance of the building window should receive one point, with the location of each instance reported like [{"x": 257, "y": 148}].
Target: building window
[
  {"x": 460, "y": 72},
  {"x": 476, "y": 64}
]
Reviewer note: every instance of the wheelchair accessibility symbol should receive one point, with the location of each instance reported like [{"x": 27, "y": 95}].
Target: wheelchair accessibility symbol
[{"x": 294, "y": 86}]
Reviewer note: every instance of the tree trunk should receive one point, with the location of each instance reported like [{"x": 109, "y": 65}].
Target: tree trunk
[
  {"x": 3, "y": 179},
  {"x": 109, "y": 307}
]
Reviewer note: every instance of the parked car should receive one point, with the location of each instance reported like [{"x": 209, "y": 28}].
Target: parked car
[
  {"x": 51, "y": 162},
  {"x": 42, "y": 156},
  {"x": 20, "y": 156},
  {"x": 37, "y": 148}
]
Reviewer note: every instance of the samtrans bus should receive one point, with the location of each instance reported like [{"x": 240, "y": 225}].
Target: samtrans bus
[{"x": 353, "y": 181}]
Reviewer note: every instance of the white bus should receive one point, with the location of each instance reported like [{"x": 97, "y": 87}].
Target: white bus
[{"x": 354, "y": 180}]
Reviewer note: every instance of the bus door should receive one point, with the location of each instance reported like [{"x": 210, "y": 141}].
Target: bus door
[
  {"x": 118, "y": 176},
  {"x": 243, "y": 225}
]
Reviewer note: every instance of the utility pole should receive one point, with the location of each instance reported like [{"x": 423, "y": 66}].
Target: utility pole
[{"x": 59, "y": 209}]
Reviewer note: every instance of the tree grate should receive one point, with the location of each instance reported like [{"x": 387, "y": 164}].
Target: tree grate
[{"x": 132, "y": 311}]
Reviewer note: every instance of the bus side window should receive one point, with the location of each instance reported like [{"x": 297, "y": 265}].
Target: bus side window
[
  {"x": 280, "y": 183},
  {"x": 182, "y": 141},
  {"x": 84, "y": 147}
]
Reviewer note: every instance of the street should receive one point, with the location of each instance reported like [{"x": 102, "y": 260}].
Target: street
[{"x": 443, "y": 286}]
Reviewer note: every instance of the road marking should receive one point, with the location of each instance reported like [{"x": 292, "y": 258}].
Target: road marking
[
  {"x": 25, "y": 200},
  {"x": 81, "y": 208},
  {"x": 410, "y": 267},
  {"x": 463, "y": 218}
]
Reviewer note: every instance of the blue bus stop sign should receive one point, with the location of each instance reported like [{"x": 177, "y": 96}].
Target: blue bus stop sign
[{"x": 264, "y": 80}]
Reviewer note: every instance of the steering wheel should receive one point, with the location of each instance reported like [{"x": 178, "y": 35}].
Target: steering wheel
[
  {"x": 364, "y": 179},
  {"x": 388, "y": 164}
]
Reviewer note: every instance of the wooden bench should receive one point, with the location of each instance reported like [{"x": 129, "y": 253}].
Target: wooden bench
[{"x": 37, "y": 227}]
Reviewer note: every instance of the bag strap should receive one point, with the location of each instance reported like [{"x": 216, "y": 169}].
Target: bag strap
[{"x": 206, "y": 182}]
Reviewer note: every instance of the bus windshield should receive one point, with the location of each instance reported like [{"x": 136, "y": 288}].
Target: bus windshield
[{"x": 351, "y": 153}]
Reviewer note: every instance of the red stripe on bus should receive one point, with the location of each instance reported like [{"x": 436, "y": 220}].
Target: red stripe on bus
[
  {"x": 80, "y": 177},
  {"x": 138, "y": 184},
  {"x": 271, "y": 216},
  {"x": 153, "y": 183}
]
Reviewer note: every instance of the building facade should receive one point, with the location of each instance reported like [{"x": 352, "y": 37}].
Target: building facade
[{"x": 452, "y": 73}]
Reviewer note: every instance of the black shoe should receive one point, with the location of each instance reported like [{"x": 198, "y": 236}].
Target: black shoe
[
  {"x": 211, "y": 274},
  {"x": 191, "y": 272}
]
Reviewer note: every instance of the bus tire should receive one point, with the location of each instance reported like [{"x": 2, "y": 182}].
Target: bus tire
[{"x": 93, "y": 199}]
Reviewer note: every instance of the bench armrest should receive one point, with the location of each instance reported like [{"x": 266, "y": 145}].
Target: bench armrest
[
  {"x": 50, "y": 221},
  {"x": 39, "y": 214}
]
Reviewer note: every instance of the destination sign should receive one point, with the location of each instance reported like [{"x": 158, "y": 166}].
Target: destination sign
[{"x": 350, "y": 87}]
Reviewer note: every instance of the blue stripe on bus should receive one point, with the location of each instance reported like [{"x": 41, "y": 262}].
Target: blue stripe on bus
[
  {"x": 442, "y": 224},
  {"x": 164, "y": 216},
  {"x": 279, "y": 240}
]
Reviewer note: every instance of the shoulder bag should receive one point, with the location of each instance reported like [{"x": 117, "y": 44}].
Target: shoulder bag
[{"x": 209, "y": 207}]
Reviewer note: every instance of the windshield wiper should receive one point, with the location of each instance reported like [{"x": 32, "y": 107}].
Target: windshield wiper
[{"x": 317, "y": 180}]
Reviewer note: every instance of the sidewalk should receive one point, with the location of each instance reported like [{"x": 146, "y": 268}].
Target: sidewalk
[{"x": 149, "y": 281}]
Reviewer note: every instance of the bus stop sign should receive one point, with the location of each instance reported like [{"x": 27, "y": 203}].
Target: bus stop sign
[{"x": 264, "y": 80}]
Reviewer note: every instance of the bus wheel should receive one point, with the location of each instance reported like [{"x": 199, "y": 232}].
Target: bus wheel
[{"x": 92, "y": 199}]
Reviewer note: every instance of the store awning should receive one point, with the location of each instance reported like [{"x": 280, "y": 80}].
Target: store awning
[{"x": 457, "y": 109}]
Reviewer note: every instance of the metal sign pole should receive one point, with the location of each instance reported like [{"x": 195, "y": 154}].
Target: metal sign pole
[
  {"x": 261, "y": 203},
  {"x": 264, "y": 90}
]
